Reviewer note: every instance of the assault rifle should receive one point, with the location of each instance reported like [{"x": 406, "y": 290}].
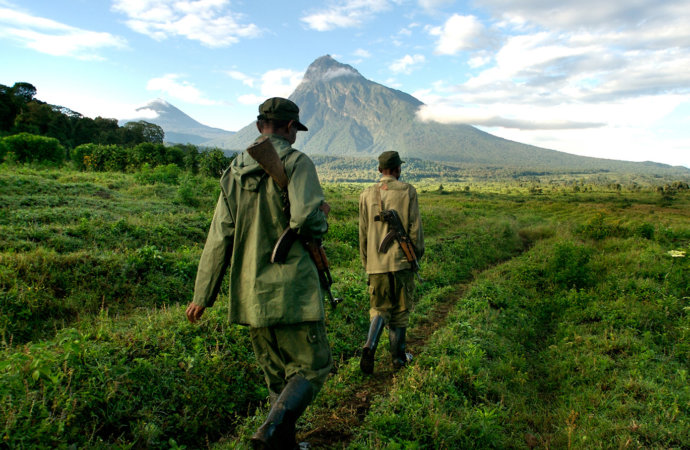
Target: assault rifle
[
  {"x": 398, "y": 233},
  {"x": 265, "y": 154}
]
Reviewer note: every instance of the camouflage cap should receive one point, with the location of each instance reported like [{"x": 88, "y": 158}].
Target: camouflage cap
[
  {"x": 389, "y": 160},
  {"x": 278, "y": 108}
]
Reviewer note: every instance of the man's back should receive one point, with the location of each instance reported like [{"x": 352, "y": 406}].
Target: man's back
[
  {"x": 263, "y": 294},
  {"x": 388, "y": 193}
]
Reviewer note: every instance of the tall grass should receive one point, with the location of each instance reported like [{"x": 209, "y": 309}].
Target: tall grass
[{"x": 95, "y": 270}]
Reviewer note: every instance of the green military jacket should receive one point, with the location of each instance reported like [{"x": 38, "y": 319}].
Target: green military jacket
[
  {"x": 247, "y": 222},
  {"x": 397, "y": 195}
]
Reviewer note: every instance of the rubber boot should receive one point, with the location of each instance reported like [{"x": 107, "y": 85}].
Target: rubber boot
[
  {"x": 278, "y": 431},
  {"x": 366, "y": 364},
  {"x": 396, "y": 336}
]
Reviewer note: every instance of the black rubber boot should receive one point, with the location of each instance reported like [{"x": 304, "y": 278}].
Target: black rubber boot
[
  {"x": 278, "y": 431},
  {"x": 396, "y": 338},
  {"x": 366, "y": 364}
]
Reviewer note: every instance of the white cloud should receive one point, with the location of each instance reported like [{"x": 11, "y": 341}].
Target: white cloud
[
  {"x": 460, "y": 33},
  {"x": 138, "y": 113},
  {"x": 345, "y": 14},
  {"x": 171, "y": 85},
  {"x": 207, "y": 21},
  {"x": 392, "y": 82},
  {"x": 479, "y": 61},
  {"x": 591, "y": 14},
  {"x": 362, "y": 53},
  {"x": 251, "y": 99},
  {"x": 274, "y": 83},
  {"x": 435, "y": 4},
  {"x": 55, "y": 38},
  {"x": 239, "y": 76},
  {"x": 280, "y": 82},
  {"x": 407, "y": 63}
]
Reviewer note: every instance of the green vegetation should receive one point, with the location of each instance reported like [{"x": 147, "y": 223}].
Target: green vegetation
[
  {"x": 574, "y": 331},
  {"x": 21, "y": 112}
]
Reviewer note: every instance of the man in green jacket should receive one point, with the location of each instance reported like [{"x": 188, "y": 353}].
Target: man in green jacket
[
  {"x": 391, "y": 280},
  {"x": 281, "y": 303}
]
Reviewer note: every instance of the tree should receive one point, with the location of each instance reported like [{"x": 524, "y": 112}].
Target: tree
[
  {"x": 190, "y": 158},
  {"x": 23, "y": 92},
  {"x": 34, "y": 118},
  {"x": 214, "y": 162},
  {"x": 142, "y": 131},
  {"x": 148, "y": 153},
  {"x": 8, "y": 108}
]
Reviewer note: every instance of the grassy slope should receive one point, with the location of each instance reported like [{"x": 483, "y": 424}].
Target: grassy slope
[{"x": 90, "y": 291}]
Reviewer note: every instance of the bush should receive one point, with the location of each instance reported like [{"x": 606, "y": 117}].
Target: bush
[
  {"x": 148, "y": 153},
  {"x": 162, "y": 174},
  {"x": 32, "y": 148},
  {"x": 570, "y": 266},
  {"x": 187, "y": 191},
  {"x": 597, "y": 228},
  {"x": 3, "y": 150},
  {"x": 100, "y": 158},
  {"x": 213, "y": 163}
]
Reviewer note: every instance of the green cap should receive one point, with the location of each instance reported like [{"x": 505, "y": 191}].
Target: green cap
[
  {"x": 389, "y": 160},
  {"x": 278, "y": 108}
]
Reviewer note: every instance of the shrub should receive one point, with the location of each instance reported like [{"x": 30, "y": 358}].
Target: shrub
[
  {"x": 32, "y": 148},
  {"x": 213, "y": 163},
  {"x": 597, "y": 228},
  {"x": 187, "y": 191},
  {"x": 168, "y": 174},
  {"x": 570, "y": 266},
  {"x": 646, "y": 231},
  {"x": 100, "y": 158},
  {"x": 148, "y": 153}
]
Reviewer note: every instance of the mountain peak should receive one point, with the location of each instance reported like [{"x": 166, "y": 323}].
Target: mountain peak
[
  {"x": 159, "y": 101},
  {"x": 157, "y": 104},
  {"x": 326, "y": 68}
]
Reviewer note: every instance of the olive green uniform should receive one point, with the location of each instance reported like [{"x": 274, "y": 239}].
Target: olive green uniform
[
  {"x": 282, "y": 303},
  {"x": 391, "y": 282}
]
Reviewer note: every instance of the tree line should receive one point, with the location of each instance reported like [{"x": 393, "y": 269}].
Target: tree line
[{"x": 32, "y": 131}]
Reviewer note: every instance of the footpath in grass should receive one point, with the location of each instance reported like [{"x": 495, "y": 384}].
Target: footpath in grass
[
  {"x": 342, "y": 405},
  {"x": 581, "y": 342}
]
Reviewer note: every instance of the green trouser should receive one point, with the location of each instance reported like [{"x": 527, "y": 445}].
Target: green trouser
[
  {"x": 286, "y": 350},
  {"x": 391, "y": 296}
]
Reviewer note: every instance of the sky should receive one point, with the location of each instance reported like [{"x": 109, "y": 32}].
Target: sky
[{"x": 588, "y": 77}]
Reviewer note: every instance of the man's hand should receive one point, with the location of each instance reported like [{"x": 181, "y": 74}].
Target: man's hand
[
  {"x": 194, "y": 312},
  {"x": 326, "y": 208}
]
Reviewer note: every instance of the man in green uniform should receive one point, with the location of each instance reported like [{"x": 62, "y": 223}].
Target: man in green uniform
[
  {"x": 281, "y": 303},
  {"x": 391, "y": 279}
]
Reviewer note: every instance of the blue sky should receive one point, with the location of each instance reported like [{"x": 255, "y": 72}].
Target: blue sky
[{"x": 604, "y": 79}]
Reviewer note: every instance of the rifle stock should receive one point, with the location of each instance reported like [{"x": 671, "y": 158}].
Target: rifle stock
[{"x": 266, "y": 156}]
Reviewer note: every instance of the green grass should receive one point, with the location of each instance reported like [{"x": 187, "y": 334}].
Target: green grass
[
  {"x": 575, "y": 344},
  {"x": 581, "y": 341}
]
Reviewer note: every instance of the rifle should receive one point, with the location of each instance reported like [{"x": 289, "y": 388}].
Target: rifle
[
  {"x": 265, "y": 154},
  {"x": 398, "y": 233}
]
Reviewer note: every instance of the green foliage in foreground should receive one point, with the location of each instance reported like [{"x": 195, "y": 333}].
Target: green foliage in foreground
[
  {"x": 575, "y": 344},
  {"x": 584, "y": 336}
]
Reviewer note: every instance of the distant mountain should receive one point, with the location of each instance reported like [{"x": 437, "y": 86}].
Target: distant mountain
[
  {"x": 348, "y": 115},
  {"x": 179, "y": 127}
]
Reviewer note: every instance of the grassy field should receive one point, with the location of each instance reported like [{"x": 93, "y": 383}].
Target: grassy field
[{"x": 568, "y": 320}]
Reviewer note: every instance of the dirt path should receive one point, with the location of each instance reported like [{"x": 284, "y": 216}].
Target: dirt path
[{"x": 335, "y": 428}]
